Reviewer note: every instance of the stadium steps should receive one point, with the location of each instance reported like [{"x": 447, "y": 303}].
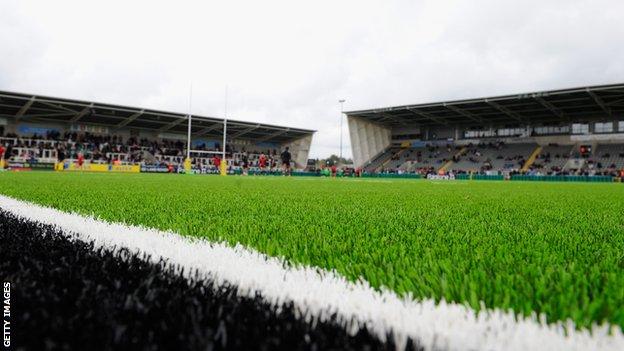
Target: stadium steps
[
  {"x": 398, "y": 154},
  {"x": 574, "y": 163},
  {"x": 381, "y": 157},
  {"x": 532, "y": 158},
  {"x": 148, "y": 157},
  {"x": 450, "y": 162}
]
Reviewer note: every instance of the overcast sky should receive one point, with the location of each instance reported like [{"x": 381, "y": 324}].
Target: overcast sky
[{"x": 289, "y": 62}]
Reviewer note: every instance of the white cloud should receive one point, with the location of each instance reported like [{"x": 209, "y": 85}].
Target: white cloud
[{"x": 288, "y": 62}]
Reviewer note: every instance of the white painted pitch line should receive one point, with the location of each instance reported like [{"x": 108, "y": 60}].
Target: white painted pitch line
[{"x": 319, "y": 294}]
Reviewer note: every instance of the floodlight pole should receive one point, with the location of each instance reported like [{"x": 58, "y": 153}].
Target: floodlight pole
[{"x": 341, "y": 101}]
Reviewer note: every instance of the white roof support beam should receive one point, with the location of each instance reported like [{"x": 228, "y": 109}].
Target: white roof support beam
[
  {"x": 274, "y": 135},
  {"x": 173, "y": 124},
  {"x": 600, "y": 103},
  {"x": 506, "y": 111},
  {"x": 210, "y": 129},
  {"x": 464, "y": 113},
  {"x": 244, "y": 131},
  {"x": 428, "y": 116},
  {"x": 557, "y": 112},
  {"x": 81, "y": 114},
  {"x": 55, "y": 114},
  {"x": 43, "y": 102},
  {"x": 130, "y": 118},
  {"x": 24, "y": 108},
  {"x": 396, "y": 119}
]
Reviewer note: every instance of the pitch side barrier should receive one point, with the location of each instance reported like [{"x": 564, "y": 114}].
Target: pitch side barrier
[
  {"x": 543, "y": 178},
  {"x": 92, "y": 167},
  {"x": 568, "y": 178},
  {"x": 478, "y": 177},
  {"x": 27, "y": 166},
  {"x": 67, "y": 166},
  {"x": 391, "y": 175}
]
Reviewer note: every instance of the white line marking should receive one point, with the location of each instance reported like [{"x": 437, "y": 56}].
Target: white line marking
[{"x": 319, "y": 293}]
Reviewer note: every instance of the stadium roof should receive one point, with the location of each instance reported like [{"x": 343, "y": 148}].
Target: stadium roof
[
  {"x": 595, "y": 103},
  {"x": 37, "y": 108}
]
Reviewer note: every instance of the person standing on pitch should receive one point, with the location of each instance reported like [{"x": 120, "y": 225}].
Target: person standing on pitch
[
  {"x": 2, "y": 156},
  {"x": 80, "y": 160},
  {"x": 262, "y": 162},
  {"x": 286, "y": 161},
  {"x": 245, "y": 159},
  {"x": 216, "y": 161}
]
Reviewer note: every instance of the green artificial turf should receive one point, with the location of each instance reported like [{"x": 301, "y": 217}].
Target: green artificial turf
[{"x": 552, "y": 248}]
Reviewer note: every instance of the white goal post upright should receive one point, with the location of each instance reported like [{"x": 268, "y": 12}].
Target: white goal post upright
[
  {"x": 187, "y": 162},
  {"x": 188, "y": 135},
  {"x": 225, "y": 123}
]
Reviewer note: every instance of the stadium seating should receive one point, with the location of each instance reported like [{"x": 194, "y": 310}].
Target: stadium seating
[
  {"x": 609, "y": 155},
  {"x": 486, "y": 158},
  {"x": 553, "y": 157},
  {"x": 410, "y": 160},
  {"x": 493, "y": 157},
  {"x": 379, "y": 160},
  {"x": 430, "y": 157},
  {"x": 104, "y": 150}
]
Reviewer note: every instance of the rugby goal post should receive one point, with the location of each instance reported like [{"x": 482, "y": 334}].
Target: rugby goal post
[
  {"x": 187, "y": 161},
  {"x": 189, "y": 151}
]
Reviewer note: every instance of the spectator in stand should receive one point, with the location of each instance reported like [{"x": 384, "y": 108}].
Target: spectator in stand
[{"x": 286, "y": 161}]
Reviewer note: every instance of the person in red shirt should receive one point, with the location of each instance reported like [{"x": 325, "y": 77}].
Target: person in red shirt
[
  {"x": 216, "y": 161},
  {"x": 2, "y": 149},
  {"x": 262, "y": 161},
  {"x": 333, "y": 170},
  {"x": 80, "y": 160}
]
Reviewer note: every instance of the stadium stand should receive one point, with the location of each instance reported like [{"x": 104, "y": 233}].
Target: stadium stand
[
  {"x": 577, "y": 131},
  {"x": 109, "y": 149},
  {"x": 45, "y": 129},
  {"x": 563, "y": 132}
]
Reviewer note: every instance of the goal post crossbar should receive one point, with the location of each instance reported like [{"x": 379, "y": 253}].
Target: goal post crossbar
[
  {"x": 205, "y": 152},
  {"x": 187, "y": 161}
]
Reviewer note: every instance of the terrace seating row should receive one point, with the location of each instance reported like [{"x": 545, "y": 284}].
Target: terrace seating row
[
  {"x": 554, "y": 156},
  {"x": 379, "y": 160},
  {"x": 427, "y": 158},
  {"x": 491, "y": 156},
  {"x": 610, "y": 154}
]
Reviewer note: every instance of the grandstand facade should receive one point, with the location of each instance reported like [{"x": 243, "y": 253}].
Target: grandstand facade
[
  {"x": 39, "y": 128},
  {"x": 569, "y": 131}
]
